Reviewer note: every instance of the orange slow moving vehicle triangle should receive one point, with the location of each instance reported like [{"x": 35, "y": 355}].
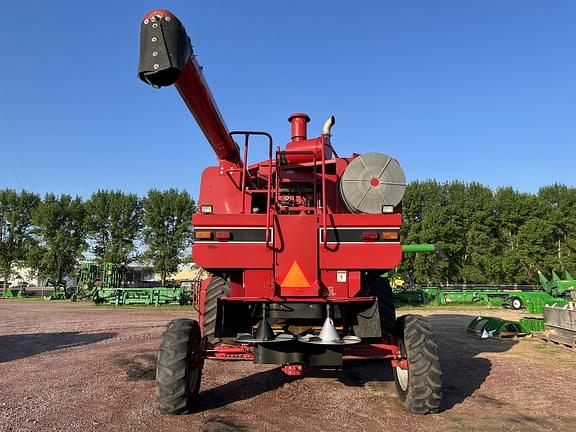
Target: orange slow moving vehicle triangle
[{"x": 295, "y": 278}]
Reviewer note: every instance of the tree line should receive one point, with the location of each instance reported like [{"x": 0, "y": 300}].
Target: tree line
[
  {"x": 51, "y": 234},
  {"x": 496, "y": 237}
]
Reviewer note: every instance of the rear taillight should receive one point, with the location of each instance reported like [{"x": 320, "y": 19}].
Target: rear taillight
[
  {"x": 369, "y": 236},
  {"x": 223, "y": 235}
]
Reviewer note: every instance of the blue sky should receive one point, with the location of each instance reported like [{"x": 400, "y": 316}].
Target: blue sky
[{"x": 468, "y": 90}]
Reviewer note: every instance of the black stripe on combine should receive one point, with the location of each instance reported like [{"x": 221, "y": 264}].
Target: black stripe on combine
[
  {"x": 236, "y": 235},
  {"x": 355, "y": 235}
]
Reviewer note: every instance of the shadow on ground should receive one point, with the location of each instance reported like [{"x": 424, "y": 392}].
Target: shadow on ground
[
  {"x": 463, "y": 368},
  {"x": 17, "y": 346},
  {"x": 241, "y": 389}
]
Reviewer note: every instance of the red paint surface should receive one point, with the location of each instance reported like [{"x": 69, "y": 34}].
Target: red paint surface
[
  {"x": 198, "y": 98},
  {"x": 159, "y": 12},
  {"x": 299, "y": 122}
]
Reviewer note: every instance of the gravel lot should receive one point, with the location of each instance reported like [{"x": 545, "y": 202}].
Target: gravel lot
[{"x": 68, "y": 367}]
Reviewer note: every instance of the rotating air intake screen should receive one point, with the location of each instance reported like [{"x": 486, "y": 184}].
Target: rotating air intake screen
[{"x": 372, "y": 183}]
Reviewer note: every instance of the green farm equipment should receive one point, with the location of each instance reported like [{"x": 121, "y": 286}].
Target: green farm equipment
[
  {"x": 533, "y": 298},
  {"x": 143, "y": 295},
  {"x": 403, "y": 288},
  {"x": 112, "y": 275},
  {"x": 108, "y": 283},
  {"x": 423, "y": 248},
  {"x": 533, "y": 301},
  {"x": 498, "y": 327},
  {"x": 61, "y": 290},
  {"x": 558, "y": 287},
  {"x": 17, "y": 292},
  {"x": 533, "y": 325},
  {"x": 490, "y": 327},
  {"x": 493, "y": 296},
  {"x": 466, "y": 294},
  {"x": 88, "y": 276},
  {"x": 95, "y": 278},
  {"x": 553, "y": 293}
]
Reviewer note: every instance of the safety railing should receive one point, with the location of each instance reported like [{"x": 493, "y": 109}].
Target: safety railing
[
  {"x": 246, "y": 135},
  {"x": 324, "y": 206}
]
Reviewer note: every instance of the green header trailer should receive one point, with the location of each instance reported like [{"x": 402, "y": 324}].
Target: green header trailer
[
  {"x": 532, "y": 299},
  {"x": 108, "y": 283},
  {"x": 558, "y": 287}
]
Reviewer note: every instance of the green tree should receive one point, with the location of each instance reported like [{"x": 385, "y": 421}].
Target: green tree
[
  {"x": 168, "y": 228},
  {"x": 114, "y": 220},
  {"x": 511, "y": 210},
  {"x": 16, "y": 239},
  {"x": 424, "y": 212},
  {"x": 478, "y": 234},
  {"x": 558, "y": 203},
  {"x": 500, "y": 237},
  {"x": 59, "y": 225},
  {"x": 536, "y": 238}
]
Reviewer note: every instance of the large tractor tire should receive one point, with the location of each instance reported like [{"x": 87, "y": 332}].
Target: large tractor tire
[
  {"x": 179, "y": 368},
  {"x": 380, "y": 288},
  {"x": 419, "y": 386},
  {"x": 217, "y": 287}
]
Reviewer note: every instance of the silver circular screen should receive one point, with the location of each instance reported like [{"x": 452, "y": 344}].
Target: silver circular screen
[{"x": 372, "y": 183}]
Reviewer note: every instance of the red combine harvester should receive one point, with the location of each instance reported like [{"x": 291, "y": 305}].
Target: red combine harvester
[{"x": 296, "y": 245}]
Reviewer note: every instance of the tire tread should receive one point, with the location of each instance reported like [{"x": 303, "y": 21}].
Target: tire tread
[
  {"x": 174, "y": 369},
  {"x": 217, "y": 287},
  {"x": 424, "y": 391}
]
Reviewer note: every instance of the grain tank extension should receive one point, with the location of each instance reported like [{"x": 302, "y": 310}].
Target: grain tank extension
[{"x": 296, "y": 246}]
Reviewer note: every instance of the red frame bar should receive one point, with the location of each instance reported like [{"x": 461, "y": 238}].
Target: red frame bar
[
  {"x": 388, "y": 349},
  {"x": 229, "y": 352}
]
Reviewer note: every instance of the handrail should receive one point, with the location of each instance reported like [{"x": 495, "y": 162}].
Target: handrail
[
  {"x": 245, "y": 172},
  {"x": 324, "y": 210},
  {"x": 246, "y": 135}
]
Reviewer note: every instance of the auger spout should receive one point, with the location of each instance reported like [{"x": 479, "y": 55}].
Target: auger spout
[{"x": 166, "y": 58}]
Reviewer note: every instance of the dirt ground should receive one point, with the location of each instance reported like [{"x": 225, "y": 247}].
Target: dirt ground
[{"x": 68, "y": 367}]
